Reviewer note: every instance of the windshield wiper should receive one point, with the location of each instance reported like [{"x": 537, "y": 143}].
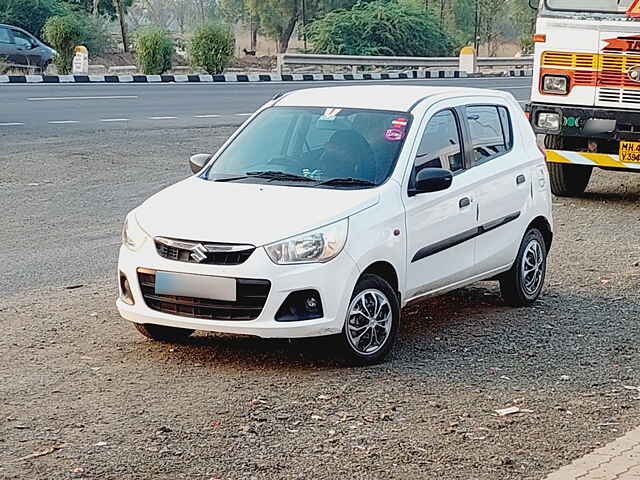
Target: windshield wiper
[
  {"x": 270, "y": 175},
  {"x": 277, "y": 175},
  {"x": 347, "y": 181},
  {"x": 230, "y": 179}
]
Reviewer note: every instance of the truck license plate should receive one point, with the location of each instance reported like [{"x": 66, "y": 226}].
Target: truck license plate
[{"x": 630, "y": 152}]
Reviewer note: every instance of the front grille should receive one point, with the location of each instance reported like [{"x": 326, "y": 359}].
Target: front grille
[
  {"x": 213, "y": 254},
  {"x": 251, "y": 295},
  {"x": 570, "y": 60},
  {"x": 619, "y": 95}
]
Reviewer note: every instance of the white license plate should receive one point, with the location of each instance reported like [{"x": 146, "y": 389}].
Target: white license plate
[{"x": 199, "y": 286}]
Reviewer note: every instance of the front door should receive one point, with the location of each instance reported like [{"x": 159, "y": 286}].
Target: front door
[
  {"x": 27, "y": 48},
  {"x": 440, "y": 225},
  {"x": 8, "y": 52}
]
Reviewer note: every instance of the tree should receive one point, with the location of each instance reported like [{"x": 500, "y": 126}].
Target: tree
[
  {"x": 30, "y": 14},
  {"x": 278, "y": 18},
  {"x": 491, "y": 11},
  {"x": 383, "y": 27},
  {"x": 120, "y": 11},
  {"x": 103, "y": 7}
]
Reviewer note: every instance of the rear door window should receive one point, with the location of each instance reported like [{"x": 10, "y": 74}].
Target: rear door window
[{"x": 491, "y": 133}]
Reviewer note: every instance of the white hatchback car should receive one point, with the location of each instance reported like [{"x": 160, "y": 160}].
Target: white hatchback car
[{"x": 332, "y": 208}]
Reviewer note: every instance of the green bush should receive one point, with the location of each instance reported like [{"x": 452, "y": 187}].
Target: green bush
[
  {"x": 212, "y": 48},
  {"x": 96, "y": 36},
  {"x": 153, "y": 48},
  {"x": 382, "y": 27},
  {"x": 30, "y": 14},
  {"x": 64, "y": 34}
]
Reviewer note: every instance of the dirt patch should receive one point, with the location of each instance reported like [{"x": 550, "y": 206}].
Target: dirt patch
[{"x": 254, "y": 64}]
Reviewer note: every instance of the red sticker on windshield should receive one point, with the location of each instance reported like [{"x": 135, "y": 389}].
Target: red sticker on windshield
[
  {"x": 399, "y": 123},
  {"x": 394, "y": 134}
]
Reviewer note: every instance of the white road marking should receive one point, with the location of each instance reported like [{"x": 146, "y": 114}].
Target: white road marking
[
  {"x": 244, "y": 114},
  {"x": 162, "y": 118},
  {"x": 11, "y": 124},
  {"x": 114, "y": 119},
  {"x": 110, "y": 97},
  {"x": 206, "y": 116},
  {"x": 61, "y": 122}
]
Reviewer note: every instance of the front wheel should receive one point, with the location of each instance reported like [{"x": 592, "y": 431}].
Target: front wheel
[
  {"x": 522, "y": 284},
  {"x": 567, "y": 180},
  {"x": 371, "y": 326},
  {"x": 162, "y": 333}
]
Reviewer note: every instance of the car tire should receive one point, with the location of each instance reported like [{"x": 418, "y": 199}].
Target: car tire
[
  {"x": 361, "y": 341},
  {"x": 163, "y": 334},
  {"x": 522, "y": 284},
  {"x": 567, "y": 180}
]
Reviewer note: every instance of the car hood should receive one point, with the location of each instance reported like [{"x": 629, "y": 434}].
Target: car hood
[{"x": 257, "y": 214}]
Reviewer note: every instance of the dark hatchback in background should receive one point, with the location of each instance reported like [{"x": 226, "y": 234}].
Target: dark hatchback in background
[{"x": 20, "y": 49}]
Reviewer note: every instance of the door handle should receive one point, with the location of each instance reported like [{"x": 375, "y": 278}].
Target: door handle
[
  {"x": 520, "y": 179},
  {"x": 464, "y": 202}
]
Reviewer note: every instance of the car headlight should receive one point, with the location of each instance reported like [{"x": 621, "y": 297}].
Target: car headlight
[
  {"x": 549, "y": 121},
  {"x": 132, "y": 234},
  {"x": 556, "y": 84},
  {"x": 317, "y": 246}
]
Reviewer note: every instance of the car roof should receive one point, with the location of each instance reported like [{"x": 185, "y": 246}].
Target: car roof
[{"x": 378, "y": 97}]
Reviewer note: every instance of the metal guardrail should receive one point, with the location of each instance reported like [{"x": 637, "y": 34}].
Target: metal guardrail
[{"x": 287, "y": 59}]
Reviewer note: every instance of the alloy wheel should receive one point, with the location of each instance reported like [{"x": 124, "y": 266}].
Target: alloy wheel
[{"x": 369, "y": 321}]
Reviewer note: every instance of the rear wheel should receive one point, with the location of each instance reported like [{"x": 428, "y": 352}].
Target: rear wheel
[
  {"x": 163, "y": 334},
  {"x": 567, "y": 180},
  {"x": 371, "y": 326},
  {"x": 522, "y": 284}
]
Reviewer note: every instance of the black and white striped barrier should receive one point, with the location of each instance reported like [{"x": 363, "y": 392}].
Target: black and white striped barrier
[{"x": 243, "y": 78}]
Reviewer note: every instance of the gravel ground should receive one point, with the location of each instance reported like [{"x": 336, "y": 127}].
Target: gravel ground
[{"x": 84, "y": 396}]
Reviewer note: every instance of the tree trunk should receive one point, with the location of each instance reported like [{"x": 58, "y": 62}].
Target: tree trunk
[
  {"x": 285, "y": 34},
  {"x": 254, "y": 34},
  {"x": 123, "y": 24},
  {"x": 94, "y": 9}
]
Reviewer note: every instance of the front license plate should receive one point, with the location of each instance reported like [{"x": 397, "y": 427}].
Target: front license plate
[
  {"x": 199, "y": 286},
  {"x": 630, "y": 152}
]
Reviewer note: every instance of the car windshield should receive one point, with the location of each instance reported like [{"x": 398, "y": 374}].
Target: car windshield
[
  {"x": 602, "y": 6},
  {"x": 314, "y": 147}
]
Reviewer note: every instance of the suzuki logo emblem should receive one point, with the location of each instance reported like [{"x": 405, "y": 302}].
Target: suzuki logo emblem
[
  {"x": 634, "y": 74},
  {"x": 199, "y": 253}
]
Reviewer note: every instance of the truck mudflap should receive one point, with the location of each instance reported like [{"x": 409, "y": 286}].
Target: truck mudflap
[{"x": 604, "y": 160}]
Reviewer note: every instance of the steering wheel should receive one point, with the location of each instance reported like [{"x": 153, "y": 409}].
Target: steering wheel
[{"x": 284, "y": 163}]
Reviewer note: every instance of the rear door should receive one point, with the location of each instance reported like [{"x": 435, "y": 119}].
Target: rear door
[
  {"x": 504, "y": 185},
  {"x": 440, "y": 225}
]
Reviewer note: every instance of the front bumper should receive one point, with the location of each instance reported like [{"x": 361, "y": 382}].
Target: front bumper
[
  {"x": 334, "y": 281},
  {"x": 589, "y": 122},
  {"x": 604, "y": 127}
]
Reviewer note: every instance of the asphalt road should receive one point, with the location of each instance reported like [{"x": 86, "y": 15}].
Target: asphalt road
[{"x": 48, "y": 109}]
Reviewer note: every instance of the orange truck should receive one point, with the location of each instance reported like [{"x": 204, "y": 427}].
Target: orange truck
[{"x": 585, "y": 99}]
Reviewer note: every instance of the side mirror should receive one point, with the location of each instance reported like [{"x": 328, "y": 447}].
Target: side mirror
[
  {"x": 198, "y": 161},
  {"x": 431, "y": 180}
]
